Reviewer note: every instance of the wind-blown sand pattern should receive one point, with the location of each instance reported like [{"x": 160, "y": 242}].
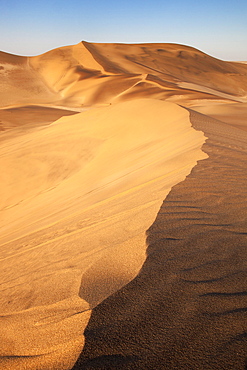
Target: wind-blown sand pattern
[{"x": 123, "y": 209}]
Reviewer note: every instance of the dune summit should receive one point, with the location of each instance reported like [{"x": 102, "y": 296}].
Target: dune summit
[{"x": 123, "y": 209}]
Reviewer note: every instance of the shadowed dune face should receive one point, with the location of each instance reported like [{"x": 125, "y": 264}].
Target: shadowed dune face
[
  {"x": 93, "y": 138},
  {"x": 173, "y": 62},
  {"x": 30, "y": 115},
  {"x": 232, "y": 113}
]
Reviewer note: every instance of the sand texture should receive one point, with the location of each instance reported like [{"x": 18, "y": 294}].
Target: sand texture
[{"x": 123, "y": 209}]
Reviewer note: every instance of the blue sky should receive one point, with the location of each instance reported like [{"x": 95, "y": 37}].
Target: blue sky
[{"x": 216, "y": 27}]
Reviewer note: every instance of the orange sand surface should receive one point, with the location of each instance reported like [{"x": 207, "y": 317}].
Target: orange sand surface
[{"x": 123, "y": 209}]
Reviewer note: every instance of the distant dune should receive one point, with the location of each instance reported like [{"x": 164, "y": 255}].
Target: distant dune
[{"x": 123, "y": 209}]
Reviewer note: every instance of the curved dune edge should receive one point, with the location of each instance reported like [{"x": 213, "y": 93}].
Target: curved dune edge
[
  {"x": 186, "y": 309},
  {"x": 85, "y": 232}
]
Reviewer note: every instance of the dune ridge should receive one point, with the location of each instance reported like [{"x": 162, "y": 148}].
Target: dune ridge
[
  {"x": 140, "y": 158},
  {"x": 89, "y": 74},
  {"x": 187, "y": 306},
  {"x": 115, "y": 213}
]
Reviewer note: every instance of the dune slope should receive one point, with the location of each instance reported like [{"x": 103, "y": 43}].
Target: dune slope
[
  {"x": 77, "y": 198},
  {"x": 118, "y": 221}
]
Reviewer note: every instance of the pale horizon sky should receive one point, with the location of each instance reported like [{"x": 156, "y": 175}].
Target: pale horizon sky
[{"x": 216, "y": 27}]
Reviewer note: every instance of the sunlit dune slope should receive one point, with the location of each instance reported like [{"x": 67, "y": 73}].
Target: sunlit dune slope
[
  {"x": 77, "y": 199},
  {"x": 20, "y": 84}
]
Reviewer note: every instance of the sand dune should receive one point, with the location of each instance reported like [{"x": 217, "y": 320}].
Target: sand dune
[
  {"x": 103, "y": 172},
  {"x": 89, "y": 74},
  {"x": 117, "y": 218}
]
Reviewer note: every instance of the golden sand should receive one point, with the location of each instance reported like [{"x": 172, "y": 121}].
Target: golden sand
[{"x": 94, "y": 137}]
